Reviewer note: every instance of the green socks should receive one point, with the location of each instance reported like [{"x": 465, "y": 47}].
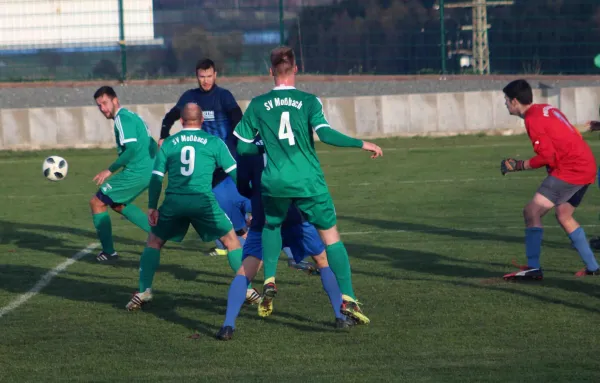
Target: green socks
[
  {"x": 235, "y": 259},
  {"x": 136, "y": 216},
  {"x": 149, "y": 262},
  {"x": 337, "y": 256},
  {"x": 271, "y": 243},
  {"x": 104, "y": 231}
]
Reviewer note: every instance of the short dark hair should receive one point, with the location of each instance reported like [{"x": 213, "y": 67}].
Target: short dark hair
[
  {"x": 105, "y": 90},
  {"x": 205, "y": 64},
  {"x": 282, "y": 60},
  {"x": 519, "y": 90}
]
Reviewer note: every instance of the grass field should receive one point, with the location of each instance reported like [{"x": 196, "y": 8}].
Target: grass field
[{"x": 430, "y": 228}]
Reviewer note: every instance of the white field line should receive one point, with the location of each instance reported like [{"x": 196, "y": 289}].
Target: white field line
[{"x": 46, "y": 279}]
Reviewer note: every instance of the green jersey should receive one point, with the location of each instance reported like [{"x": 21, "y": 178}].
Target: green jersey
[
  {"x": 190, "y": 158},
  {"x": 130, "y": 128},
  {"x": 285, "y": 118}
]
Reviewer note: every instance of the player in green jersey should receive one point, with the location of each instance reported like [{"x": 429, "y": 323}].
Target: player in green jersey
[
  {"x": 136, "y": 151},
  {"x": 285, "y": 118},
  {"x": 189, "y": 158}
]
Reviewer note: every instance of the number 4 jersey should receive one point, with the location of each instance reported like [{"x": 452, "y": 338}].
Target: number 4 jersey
[
  {"x": 285, "y": 118},
  {"x": 189, "y": 158}
]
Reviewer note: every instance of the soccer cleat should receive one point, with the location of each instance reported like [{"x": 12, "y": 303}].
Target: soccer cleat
[
  {"x": 344, "y": 323},
  {"x": 103, "y": 257},
  {"x": 528, "y": 274},
  {"x": 138, "y": 300},
  {"x": 585, "y": 272},
  {"x": 217, "y": 252},
  {"x": 225, "y": 333},
  {"x": 308, "y": 267},
  {"x": 265, "y": 305},
  {"x": 351, "y": 309},
  {"x": 252, "y": 296},
  {"x": 595, "y": 243}
]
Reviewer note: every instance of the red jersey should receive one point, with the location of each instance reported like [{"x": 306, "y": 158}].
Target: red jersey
[{"x": 559, "y": 146}]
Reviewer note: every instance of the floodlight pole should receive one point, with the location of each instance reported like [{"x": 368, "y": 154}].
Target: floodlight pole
[{"x": 481, "y": 52}]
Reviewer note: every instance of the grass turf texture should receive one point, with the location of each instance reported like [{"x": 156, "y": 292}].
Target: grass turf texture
[{"x": 430, "y": 228}]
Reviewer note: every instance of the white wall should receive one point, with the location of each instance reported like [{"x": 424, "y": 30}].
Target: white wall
[{"x": 363, "y": 117}]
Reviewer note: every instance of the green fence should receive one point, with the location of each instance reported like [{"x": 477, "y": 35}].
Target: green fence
[{"x": 138, "y": 39}]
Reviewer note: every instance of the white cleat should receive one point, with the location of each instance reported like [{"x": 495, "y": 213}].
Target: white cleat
[
  {"x": 252, "y": 296},
  {"x": 138, "y": 300}
]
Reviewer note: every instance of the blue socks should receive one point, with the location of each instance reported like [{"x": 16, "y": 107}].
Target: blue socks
[
  {"x": 583, "y": 248},
  {"x": 235, "y": 299},
  {"x": 332, "y": 289},
  {"x": 533, "y": 246}
]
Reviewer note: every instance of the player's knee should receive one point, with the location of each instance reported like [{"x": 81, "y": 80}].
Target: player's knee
[
  {"x": 321, "y": 260},
  {"x": 118, "y": 208},
  {"x": 272, "y": 222},
  {"x": 154, "y": 242},
  {"x": 96, "y": 205},
  {"x": 563, "y": 215},
  {"x": 530, "y": 212},
  {"x": 330, "y": 236},
  {"x": 231, "y": 241}
]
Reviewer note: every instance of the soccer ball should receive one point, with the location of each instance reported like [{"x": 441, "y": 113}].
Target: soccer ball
[{"x": 55, "y": 168}]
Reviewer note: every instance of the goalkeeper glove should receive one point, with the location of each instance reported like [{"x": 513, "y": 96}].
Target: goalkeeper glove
[
  {"x": 511, "y": 165},
  {"x": 594, "y": 126}
]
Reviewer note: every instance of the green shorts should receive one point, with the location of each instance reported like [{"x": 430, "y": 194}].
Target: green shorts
[
  {"x": 124, "y": 187},
  {"x": 318, "y": 210},
  {"x": 178, "y": 211}
]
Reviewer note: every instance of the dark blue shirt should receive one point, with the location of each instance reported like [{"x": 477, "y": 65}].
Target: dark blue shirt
[
  {"x": 217, "y": 105},
  {"x": 221, "y": 114}
]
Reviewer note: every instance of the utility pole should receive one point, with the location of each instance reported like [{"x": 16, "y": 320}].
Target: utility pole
[{"x": 480, "y": 26}]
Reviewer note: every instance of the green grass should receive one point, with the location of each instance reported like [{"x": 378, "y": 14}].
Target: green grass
[{"x": 430, "y": 228}]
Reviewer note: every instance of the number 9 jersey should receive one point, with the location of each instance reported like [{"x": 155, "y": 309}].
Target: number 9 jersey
[
  {"x": 190, "y": 157},
  {"x": 286, "y": 119}
]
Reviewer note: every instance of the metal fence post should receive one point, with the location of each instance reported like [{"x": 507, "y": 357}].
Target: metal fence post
[
  {"x": 122, "y": 42},
  {"x": 442, "y": 37}
]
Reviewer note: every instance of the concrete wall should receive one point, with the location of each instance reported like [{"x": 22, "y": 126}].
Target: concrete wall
[{"x": 363, "y": 117}]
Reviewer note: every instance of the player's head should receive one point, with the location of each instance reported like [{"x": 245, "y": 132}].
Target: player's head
[
  {"x": 107, "y": 101},
  {"x": 283, "y": 62},
  {"x": 206, "y": 74},
  {"x": 191, "y": 116},
  {"x": 518, "y": 97}
]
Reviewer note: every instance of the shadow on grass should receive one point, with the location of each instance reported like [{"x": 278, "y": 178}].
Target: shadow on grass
[{"x": 385, "y": 225}]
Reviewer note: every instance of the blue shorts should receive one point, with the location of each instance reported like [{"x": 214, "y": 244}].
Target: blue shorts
[
  {"x": 232, "y": 203},
  {"x": 303, "y": 239}
]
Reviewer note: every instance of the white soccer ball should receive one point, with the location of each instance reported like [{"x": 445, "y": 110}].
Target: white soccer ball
[{"x": 55, "y": 168}]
